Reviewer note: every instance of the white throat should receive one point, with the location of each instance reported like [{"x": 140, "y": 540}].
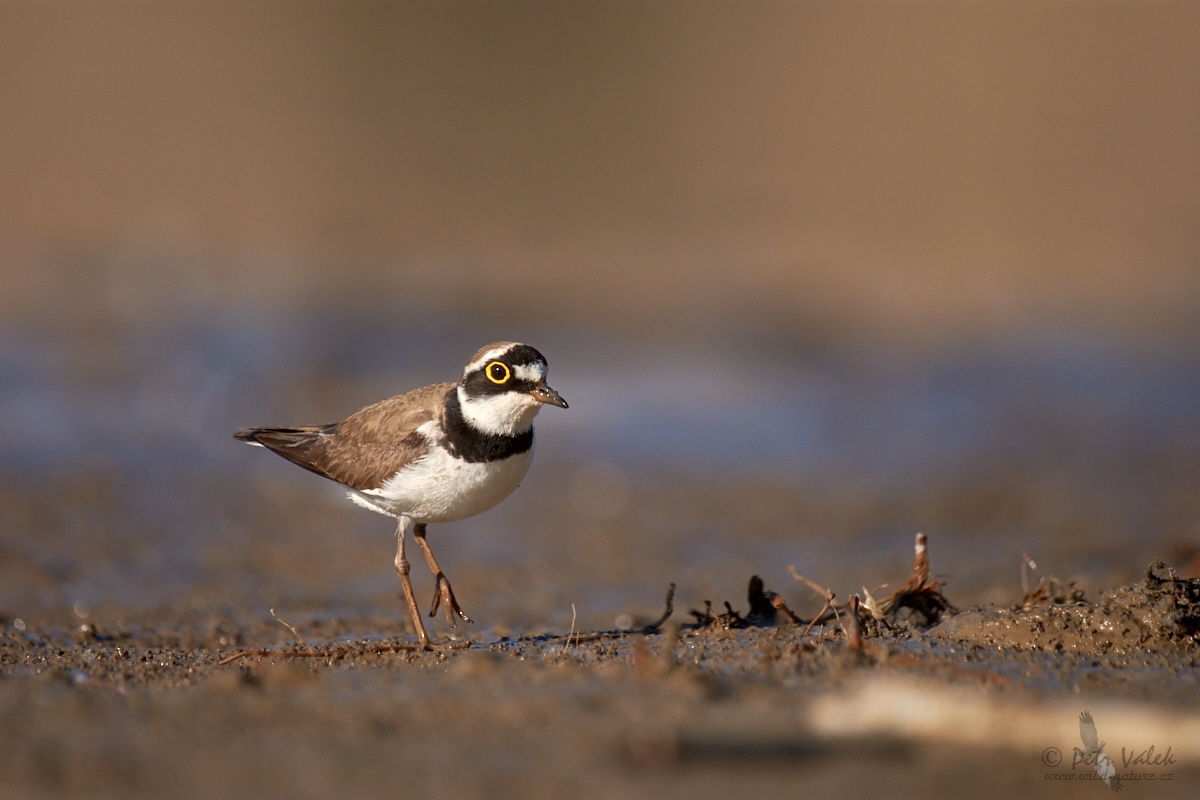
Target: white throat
[{"x": 507, "y": 414}]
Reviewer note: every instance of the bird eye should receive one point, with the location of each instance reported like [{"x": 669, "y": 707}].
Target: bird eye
[{"x": 498, "y": 372}]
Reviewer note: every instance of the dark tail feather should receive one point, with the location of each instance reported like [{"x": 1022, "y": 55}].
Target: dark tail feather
[
  {"x": 247, "y": 434},
  {"x": 301, "y": 446},
  {"x": 281, "y": 437}
]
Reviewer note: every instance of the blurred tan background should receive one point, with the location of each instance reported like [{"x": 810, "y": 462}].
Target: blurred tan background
[
  {"x": 904, "y": 169},
  {"x": 813, "y": 276}
]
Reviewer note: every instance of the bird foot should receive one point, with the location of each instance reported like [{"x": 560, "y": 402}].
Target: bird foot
[{"x": 444, "y": 592}]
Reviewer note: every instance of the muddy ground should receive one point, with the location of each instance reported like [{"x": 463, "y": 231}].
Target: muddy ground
[
  {"x": 141, "y": 547},
  {"x": 813, "y": 277},
  {"x": 735, "y": 703}
]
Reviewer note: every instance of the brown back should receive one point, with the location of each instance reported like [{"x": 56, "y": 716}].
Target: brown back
[{"x": 365, "y": 449}]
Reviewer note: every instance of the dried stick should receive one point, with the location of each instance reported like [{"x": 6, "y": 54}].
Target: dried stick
[
  {"x": 290, "y": 628},
  {"x": 822, "y": 591}
]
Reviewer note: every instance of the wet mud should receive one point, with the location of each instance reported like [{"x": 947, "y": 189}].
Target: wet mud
[
  {"x": 751, "y": 699},
  {"x": 181, "y": 615},
  {"x": 1160, "y": 614}
]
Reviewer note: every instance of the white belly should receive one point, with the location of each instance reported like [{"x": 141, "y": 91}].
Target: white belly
[{"x": 438, "y": 488}]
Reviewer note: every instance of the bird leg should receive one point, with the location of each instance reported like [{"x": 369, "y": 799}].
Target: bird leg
[
  {"x": 402, "y": 571},
  {"x": 443, "y": 590}
]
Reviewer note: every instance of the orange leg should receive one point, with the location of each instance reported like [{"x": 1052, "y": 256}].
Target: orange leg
[
  {"x": 402, "y": 571},
  {"x": 443, "y": 590}
]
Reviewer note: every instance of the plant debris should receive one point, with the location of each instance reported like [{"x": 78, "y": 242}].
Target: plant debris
[
  {"x": 728, "y": 621},
  {"x": 765, "y": 608},
  {"x": 1050, "y": 591},
  {"x": 920, "y": 595}
]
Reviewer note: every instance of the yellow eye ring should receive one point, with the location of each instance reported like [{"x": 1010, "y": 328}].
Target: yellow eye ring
[{"x": 498, "y": 372}]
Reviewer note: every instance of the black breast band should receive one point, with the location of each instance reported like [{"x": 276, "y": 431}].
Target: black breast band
[{"x": 465, "y": 441}]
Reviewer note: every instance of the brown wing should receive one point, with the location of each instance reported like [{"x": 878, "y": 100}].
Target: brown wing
[{"x": 365, "y": 449}]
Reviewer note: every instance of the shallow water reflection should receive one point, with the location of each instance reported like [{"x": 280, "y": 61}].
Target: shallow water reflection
[{"x": 699, "y": 462}]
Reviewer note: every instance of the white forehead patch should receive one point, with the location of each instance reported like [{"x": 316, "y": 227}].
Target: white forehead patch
[
  {"x": 490, "y": 355},
  {"x": 530, "y": 372}
]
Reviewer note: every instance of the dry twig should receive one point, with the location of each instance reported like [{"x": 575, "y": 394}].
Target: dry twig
[
  {"x": 828, "y": 594},
  {"x": 570, "y": 632},
  {"x": 290, "y": 628}
]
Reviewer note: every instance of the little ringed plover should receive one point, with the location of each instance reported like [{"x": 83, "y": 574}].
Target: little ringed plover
[{"x": 436, "y": 454}]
